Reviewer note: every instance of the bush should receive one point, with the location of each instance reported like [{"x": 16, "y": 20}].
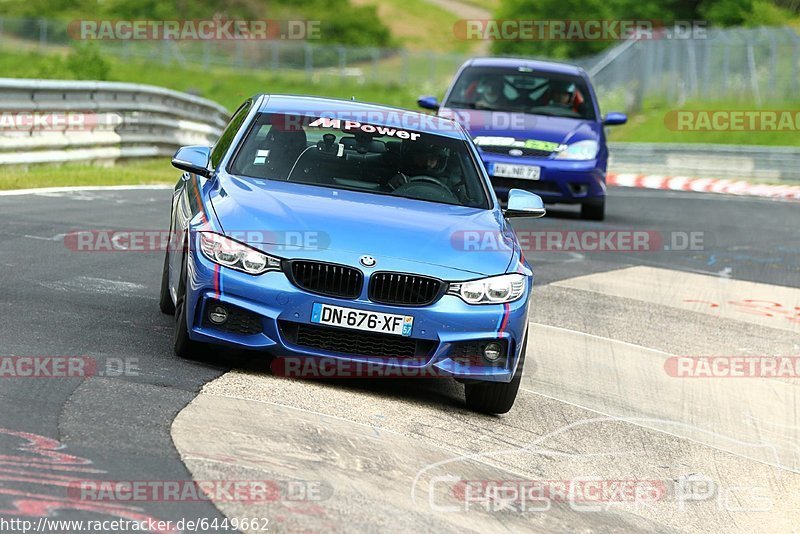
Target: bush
[
  {"x": 85, "y": 62},
  {"x": 714, "y": 12}
]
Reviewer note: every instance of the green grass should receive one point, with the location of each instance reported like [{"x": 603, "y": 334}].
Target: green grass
[
  {"x": 226, "y": 86},
  {"x": 420, "y": 25},
  {"x": 650, "y": 126},
  {"x": 147, "y": 172}
]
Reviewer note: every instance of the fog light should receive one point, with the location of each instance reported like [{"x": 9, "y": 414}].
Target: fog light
[
  {"x": 218, "y": 315},
  {"x": 492, "y": 351}
]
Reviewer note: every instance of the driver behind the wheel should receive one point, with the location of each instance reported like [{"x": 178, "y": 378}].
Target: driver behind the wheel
[{"x": 421, "y": 159}]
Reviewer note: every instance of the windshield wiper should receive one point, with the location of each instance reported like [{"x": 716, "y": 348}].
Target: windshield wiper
[
  {"x": 459, "y": 104},
  {"x": 566, "y": 115}
]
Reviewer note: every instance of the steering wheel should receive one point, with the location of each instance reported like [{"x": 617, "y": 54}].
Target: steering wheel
[
  {"x": 417, "y": 181},
  {"x": 429, "y": 180}
]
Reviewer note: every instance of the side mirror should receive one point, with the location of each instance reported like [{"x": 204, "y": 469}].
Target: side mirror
[
  {"x": 523, "y": 203},
  {"x": 428, "y": 102},
  {"x": 614, "y": 118},
  {"x": 193, "y": 159}
]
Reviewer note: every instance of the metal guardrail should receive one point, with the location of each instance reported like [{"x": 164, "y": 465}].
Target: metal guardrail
[
  {"x": 124, "y": 120},
  {"x": 51, "y": 121},
  {"x": 706, "y": 160}
]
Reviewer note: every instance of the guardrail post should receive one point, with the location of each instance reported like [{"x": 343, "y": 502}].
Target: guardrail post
[
  {"x": 795, "y": 53},
  {"x": 206, "y": 54},
  {"x": 751, "y": 64},
  {"x": 275, "y": 58},
  {"x": 726, "y": 64},
  {"x": 42, "y": 33},
  {"x": 309, "y": 60},
  {"x": 239, "y": 62},
  {"x": 773, "y": 65}
]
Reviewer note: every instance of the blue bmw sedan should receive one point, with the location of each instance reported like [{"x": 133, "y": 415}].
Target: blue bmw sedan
[
  {"x": 354, "y": 233},
  {"x": 538, "y": 127}
]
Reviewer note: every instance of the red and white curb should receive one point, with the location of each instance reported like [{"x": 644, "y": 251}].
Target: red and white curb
[{"x": 704, "y": 185}]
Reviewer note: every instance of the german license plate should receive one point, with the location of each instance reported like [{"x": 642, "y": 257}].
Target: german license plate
[
  {"x": 525, "y": 172},
  {"x": 384, "y": 323}
]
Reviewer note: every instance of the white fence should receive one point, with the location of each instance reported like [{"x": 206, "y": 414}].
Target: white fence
[{"x": 52, "y": 121}]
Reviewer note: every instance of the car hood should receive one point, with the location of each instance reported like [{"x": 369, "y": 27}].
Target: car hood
[
  {"x": 561, "y": 130},
  {"x": 292, "y": 220}
]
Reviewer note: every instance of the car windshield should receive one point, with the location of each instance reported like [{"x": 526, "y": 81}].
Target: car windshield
[
  {"x": 522, "y": 91},
  {"x": 364, "y": 157}
]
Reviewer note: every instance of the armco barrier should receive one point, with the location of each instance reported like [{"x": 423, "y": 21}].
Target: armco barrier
[
  {"x": 707, "y": 161},
  {"x": 112, "y": 121}
]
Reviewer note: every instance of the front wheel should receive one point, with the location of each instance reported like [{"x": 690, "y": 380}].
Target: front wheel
[
  {"x": 165, "y": 299},
  {"x": 182, "y": 344},
  {"x": 496, "y": 397},
  {"x": 594, "y": 210}
]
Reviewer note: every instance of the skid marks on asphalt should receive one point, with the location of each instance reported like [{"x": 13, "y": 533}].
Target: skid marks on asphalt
[
  {"x": 91, "y": 284},
  {"x": 347, "y": 478},
  {"x": 429, "y": 449}
]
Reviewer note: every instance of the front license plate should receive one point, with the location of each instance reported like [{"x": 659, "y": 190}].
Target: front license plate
[
  {"x": 525, "y": 172},
  {"x": 384, "y": 323}
]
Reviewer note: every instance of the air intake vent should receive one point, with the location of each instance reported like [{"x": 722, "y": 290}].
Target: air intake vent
[
  {"x": 326, "y": 278},
  {"x": 404, "y": 289}
]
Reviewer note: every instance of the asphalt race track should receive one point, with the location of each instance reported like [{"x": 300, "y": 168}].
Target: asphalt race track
[{"x": 598, "y": 403}]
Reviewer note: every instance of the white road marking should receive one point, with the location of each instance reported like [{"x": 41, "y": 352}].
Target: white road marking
[
  {"x": 52, "y": 191},
  {"x": 57, "y": 237},
  {"x": 750, "y": 302}
]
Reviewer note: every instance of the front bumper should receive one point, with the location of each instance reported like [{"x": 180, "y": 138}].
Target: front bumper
[
  {"x": 278, "y": 305},
  {"x": 560, "y": 181}
]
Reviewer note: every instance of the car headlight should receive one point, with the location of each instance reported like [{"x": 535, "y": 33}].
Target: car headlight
[
  {"x": 582, "y": 150},
  {"x": 230, "y": 253},
  {"x": 492, "y": 290}
]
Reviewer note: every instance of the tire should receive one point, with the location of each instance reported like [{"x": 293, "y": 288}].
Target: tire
[
  {"x": 496, "y": 397},
  {"x": 183, "y": 346},
  {"x": 594, "y": 210},
  {"x": 165, "y": 299}
]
